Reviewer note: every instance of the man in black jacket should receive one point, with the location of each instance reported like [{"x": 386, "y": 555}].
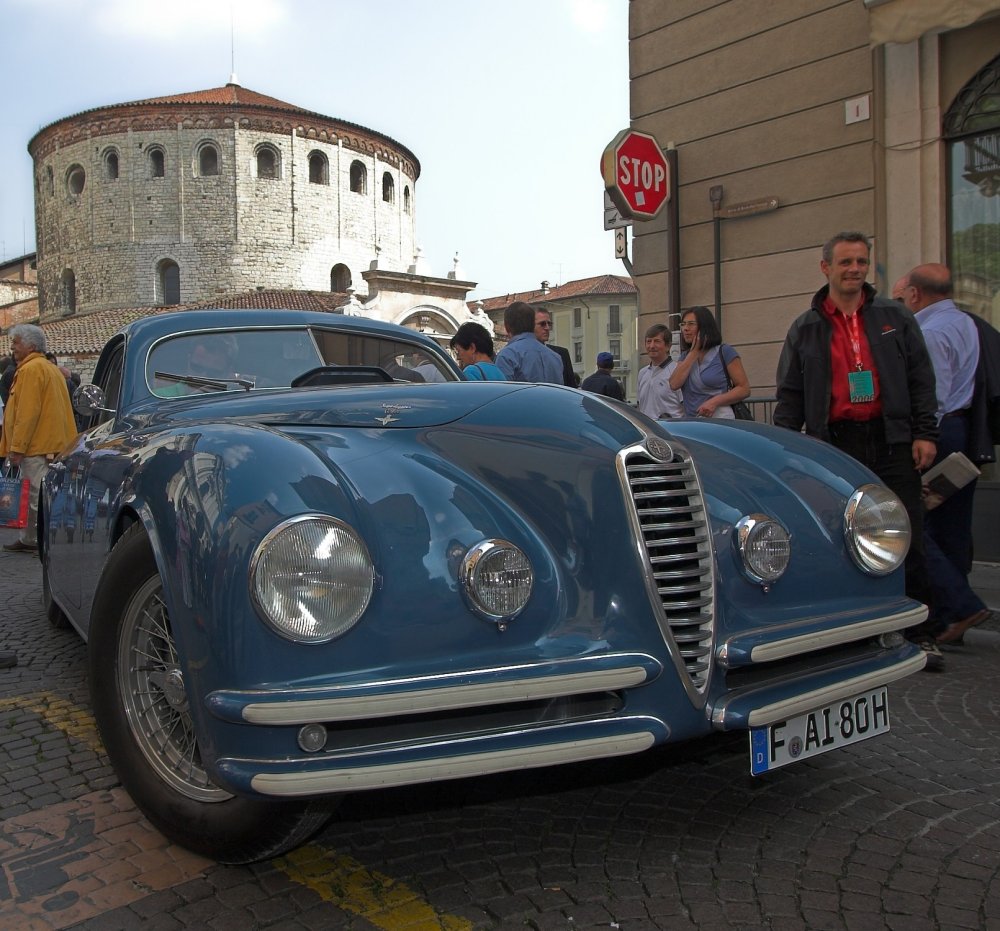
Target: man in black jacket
[
  {"x": 543, "y": 330},
  {"x": 602, "y": 381},
  {"x": 854, "y": 371}
]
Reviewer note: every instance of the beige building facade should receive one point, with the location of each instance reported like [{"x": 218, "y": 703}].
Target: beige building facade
[
  {"x": 589, "y": 315},
  {"x": 796, "y": 119}
]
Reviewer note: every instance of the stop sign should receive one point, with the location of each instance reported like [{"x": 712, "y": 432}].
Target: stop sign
[{"x": 635, "y": 174}]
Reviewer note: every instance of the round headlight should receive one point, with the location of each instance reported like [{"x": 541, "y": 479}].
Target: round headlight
[
  {"x": 311, "y": 578},
  {"x": 496, "y": 580},
  {"x": 877, "y": 529},
  {"x": 764, "y": 546}
]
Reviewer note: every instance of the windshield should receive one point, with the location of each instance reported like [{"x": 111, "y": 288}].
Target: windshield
[{"x": 238, "y": 360}]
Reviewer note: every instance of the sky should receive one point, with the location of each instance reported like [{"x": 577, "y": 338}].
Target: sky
[{"x": 507, "y": 106}]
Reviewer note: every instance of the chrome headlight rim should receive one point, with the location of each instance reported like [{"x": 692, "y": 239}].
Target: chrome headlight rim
[
  {"x": 469, "y": 576},
  {"x": 747, "y": 532},
  {"x": 859, "y": 546},
  {"x": 258, "y": 565}
]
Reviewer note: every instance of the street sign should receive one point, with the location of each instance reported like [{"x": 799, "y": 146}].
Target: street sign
[
  {"x": 613, "y": 218},
  {"x": 635, "y": 174},
  {"x": 621, "y": 243}
]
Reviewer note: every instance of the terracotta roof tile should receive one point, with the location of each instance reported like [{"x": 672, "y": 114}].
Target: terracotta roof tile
[
  {"x": 86, "y": 334},
  {"x": 582, "y": 287}
]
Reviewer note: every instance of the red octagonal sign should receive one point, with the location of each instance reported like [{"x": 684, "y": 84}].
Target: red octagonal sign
[{"x": 636, "y": 174}]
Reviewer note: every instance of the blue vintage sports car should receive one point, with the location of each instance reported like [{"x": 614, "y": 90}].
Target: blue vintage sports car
[{"x": 310, "y": 559}]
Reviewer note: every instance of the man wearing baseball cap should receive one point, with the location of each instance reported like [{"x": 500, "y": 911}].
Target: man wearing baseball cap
[{"x": 602, "y": 381}]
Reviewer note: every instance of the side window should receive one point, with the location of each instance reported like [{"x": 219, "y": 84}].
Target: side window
[
  {"x": 340, "y": 278},
  {"x": 157, "y": 163},
  {"x": 76, "y": 180},
  {"x": 268, "y": 164},
  {"x": 319, "y": 168},
  {"x": 111, "y": 165},
  {"x": 359, "y": 178},
  {"x": 67, "y": 292},
  {"x": 208, "y": 160},
  {"x": 168, "y": 283},
  {"x": 110, "y": 382},
  {"x": 388, "y": 189},
  {"x": 406, "y": 198}
]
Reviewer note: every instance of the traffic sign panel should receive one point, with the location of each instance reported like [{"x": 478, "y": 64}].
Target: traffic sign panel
[{"x": 636, "y": 175}]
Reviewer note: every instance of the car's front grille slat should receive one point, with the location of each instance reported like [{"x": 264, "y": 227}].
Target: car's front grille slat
[{"x": 673, "y": 524}]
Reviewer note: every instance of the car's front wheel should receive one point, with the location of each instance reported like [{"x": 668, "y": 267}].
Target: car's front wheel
[{"x": 141, "y": 706}]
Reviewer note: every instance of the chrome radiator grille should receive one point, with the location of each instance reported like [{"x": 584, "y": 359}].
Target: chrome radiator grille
[{"x": 674, "y": 529}]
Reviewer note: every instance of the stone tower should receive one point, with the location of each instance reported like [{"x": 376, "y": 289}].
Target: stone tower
[{"x": 182, "y": 198}]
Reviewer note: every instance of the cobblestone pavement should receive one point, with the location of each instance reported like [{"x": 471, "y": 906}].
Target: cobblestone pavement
[{"x": 899, "y": 832}]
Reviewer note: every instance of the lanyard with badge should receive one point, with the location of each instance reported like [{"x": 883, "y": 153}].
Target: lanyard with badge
[{"x": 860, "y": 382}]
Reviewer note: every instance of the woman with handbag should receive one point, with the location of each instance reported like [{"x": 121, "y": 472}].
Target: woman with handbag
[{"x": 710, "y": 374}]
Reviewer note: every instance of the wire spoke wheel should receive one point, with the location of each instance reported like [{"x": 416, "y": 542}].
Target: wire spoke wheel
[{"x": 151, "y": 683}]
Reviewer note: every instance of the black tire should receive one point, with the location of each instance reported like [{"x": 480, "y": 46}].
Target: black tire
[
  {"x": 160, "y": 764},
  {"x": 55, "y": 614}
]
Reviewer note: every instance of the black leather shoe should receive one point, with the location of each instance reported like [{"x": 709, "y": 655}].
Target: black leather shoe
[
  {"x": 18, "y": 547},
  {"x": 8, "y": 658}
]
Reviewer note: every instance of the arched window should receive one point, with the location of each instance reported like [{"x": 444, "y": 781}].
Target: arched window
[
  {"x": 157, "y": 164},
  {"x": 168, "y": 283},
  {"x": 340, "y": 278},
  {"x": 359, "y": 178},
  {"x": 49, "y": 180},
  {"x": 388, "y": 188},
  {"x": 267, "y": 163},
  {"x": 208, "y": 160},
  {"x": 67, "y": 292},
  {"x": 111, "y": 165},
  {"x": 319, "y": 168},
  {"x": 406, "y": 198},
  {"x": 76, "y": 180},
  {"x": 972, "y": 133}
]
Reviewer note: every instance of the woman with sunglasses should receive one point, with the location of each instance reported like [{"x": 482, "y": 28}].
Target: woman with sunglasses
[{"x": 701, "y": 371}]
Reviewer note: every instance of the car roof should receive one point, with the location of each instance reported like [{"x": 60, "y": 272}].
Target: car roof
[{"x": 154, "y": 327}]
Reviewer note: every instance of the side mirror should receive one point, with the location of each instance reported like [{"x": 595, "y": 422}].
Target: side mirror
[{"x": 88, "y": 400}]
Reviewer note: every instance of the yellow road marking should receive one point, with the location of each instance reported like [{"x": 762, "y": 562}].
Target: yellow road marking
[
  {"x": 70, "y": 718},
  {"x": 379, "y": 899},
  {"x": 336, "y": 878}
]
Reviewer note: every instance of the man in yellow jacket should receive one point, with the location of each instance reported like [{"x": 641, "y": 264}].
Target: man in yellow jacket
[{"x": 37, "y": 420}]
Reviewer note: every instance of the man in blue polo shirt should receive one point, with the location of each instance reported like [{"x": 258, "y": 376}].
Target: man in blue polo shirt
[{"x": 524, "y": 358}]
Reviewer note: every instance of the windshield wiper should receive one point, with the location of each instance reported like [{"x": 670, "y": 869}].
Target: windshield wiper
[{"x": 217, "y": 384}]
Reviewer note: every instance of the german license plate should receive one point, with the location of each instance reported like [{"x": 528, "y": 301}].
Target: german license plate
[{"x": 839, "y": 724}]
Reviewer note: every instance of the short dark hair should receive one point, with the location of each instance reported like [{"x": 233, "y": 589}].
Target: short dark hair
[
  {"x": 658, "y": 329},
  {"x": 708, "y": 329},
  {"x": 473, "y": 334},
  {"x": 519, "y": 318},
  {"x": 851, "y": 236}
]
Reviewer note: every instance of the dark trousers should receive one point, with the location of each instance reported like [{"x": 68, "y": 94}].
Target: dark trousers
[
  {"x": 948, "y": 539},
  {"x": 893, "y": 464},
  {"x": 950, "y": 523}
]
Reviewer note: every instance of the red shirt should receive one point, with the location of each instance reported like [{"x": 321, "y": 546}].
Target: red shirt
[{"x": 844, "y": 357}]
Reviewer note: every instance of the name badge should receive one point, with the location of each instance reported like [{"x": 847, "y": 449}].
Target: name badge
[{"x": 862, "y": 387}]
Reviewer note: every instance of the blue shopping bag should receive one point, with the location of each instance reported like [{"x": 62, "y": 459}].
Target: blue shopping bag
[{"x": 15, "y": 493}]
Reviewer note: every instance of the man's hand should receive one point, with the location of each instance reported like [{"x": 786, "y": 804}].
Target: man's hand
[{"x": 924, "y": 452}]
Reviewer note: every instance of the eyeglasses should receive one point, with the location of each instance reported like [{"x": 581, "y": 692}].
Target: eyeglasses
[
  {"x": 687, "y": 324},
  {"x": 545, "y": 323}
]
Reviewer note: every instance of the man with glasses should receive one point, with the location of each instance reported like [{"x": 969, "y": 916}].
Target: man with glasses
[
  {"x": 526, "y": 358},
  {"x": 543, "y": 332}
]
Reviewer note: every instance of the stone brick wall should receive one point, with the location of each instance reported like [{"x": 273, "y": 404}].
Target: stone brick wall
[{"x": 230, "y": 232}]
